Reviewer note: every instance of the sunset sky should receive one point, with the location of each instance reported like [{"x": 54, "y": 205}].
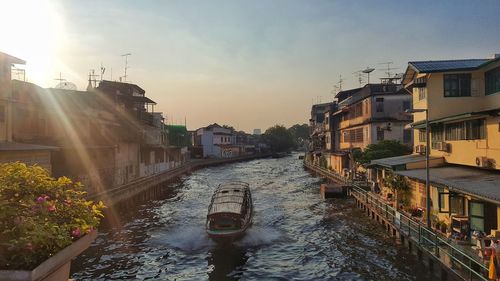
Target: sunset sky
[{"x": 249, "y": 64}]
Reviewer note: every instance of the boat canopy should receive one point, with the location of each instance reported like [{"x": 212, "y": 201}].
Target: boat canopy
[{"x": 229, "y": 198}]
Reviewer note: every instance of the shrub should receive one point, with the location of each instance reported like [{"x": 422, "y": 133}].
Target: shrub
[{"x": 40, "y": 215}]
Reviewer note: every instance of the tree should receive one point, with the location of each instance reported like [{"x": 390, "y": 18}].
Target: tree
[
  {"x": 382, "y": 149},
  {"x": 398, "y": 184},
  {"x": 299, "y": 133},
  {"x": 279, "y": 138}
]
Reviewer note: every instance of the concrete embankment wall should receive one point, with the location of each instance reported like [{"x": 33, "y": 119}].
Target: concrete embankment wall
[
  {"x": 436, "y": 266},
  {"x": 121, "y": 193}
]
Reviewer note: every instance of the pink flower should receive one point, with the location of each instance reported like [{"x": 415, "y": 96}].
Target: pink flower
[
  {"x": 76, "y": 232},
  {"x": 42, "y": 199},
  {"x": 51, "y": 208}
]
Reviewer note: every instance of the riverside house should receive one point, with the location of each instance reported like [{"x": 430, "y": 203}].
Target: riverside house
[
  {"x": 366, "y": 116},
  {"x": 463, "y": 102},
  {"x": 104, "y": 137}
]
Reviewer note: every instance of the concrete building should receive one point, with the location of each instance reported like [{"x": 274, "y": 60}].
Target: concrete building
[
  {"x": 463, "y": 102},
  {"x": 216, "y": 142},
  {"x": 366, "y": 116}
]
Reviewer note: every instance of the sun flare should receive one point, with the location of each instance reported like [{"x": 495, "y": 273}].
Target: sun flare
[{"x": 33, "y": 31}]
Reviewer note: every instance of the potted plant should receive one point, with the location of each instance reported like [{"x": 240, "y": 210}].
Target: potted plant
[{"x": 44, "y": 223}]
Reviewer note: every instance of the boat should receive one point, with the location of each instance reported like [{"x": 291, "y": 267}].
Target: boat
[{"x": 230, "y": 211}]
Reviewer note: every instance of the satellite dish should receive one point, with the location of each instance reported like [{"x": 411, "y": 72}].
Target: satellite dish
[
  {"x": 66, "y": 86},
  {"x": 368, "y": 70}
]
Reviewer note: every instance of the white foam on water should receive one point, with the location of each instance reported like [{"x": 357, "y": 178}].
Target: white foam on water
[
  {"x": 259, "y": 236},
  {"x": 186, "y": 239}
]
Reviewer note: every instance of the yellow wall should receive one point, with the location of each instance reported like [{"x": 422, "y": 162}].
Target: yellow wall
[{"x": 463, "y": 152}]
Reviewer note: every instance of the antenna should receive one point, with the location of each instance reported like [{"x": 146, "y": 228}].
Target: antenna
[
  {"x": 368, "y": 70},
  {"x": 126, "y": 66},
  {"x": 389, "y": 68},
  {"x": 340, "y": 82},
  {"x": 103, "y": 69},
  {"x": 359, "y": 73},
  {"x": 92, "y": 77},
  {"x": 60, "y": 79}
]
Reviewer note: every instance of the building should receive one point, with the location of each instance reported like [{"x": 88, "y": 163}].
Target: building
[
  {"x": 11, "y": 148},
  {"x": 366, "y": 116},
  {"x": 462, "y": 98},
  {"x": 216, "y": 141}
]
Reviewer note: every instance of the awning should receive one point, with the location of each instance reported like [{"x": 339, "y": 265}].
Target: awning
[
  {"x": 484, "y": 184},
  {"x": 421, "y": 124},
  {"x": 399, "y": 162}
]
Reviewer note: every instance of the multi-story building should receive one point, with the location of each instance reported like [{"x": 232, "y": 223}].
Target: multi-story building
[
  {"x": 11, "y": 149},
  {"x": 368, "y": 115},
  {"x": 462, "y": 98},
  {"x": 216, "y": 142}
]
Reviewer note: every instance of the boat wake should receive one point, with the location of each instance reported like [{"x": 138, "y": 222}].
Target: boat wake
[
  {"x": 259, "y": 236},
  {"x": 186, "y": 239}
]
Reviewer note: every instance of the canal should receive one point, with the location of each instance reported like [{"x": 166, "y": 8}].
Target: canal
[{"x": 295, "y": 236}]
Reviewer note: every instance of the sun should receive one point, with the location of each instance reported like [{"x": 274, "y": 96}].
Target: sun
[{"x": 32, "y": 30}]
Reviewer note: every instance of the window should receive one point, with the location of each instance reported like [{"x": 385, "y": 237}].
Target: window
[
  {"x": 221, "y": 139},
  {"x": 406, "y": 105},
  {"x": 422, "y": 136},
  {"x": 380, "y": 134},
  {"x": 466, "y": 130},
  {"x": 422, "y": 93},
  {"x": 476, "y": 213},
  {"x": 379, "y": 106},
  {"x": 436, "y": 135},
  {"x": 407, "y": 135},
  {"x": 492, "y": 81},
  {"x": 457, "y": 85},
  {"x": 358, "y": 135}
]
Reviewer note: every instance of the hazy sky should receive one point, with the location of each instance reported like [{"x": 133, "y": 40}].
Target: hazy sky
[{"x": 250, "y": 64}]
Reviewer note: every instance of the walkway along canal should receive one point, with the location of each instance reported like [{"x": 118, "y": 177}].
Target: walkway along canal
[
  {"x": 443, "y": 258},
  {"x": 159, "y": 234}
]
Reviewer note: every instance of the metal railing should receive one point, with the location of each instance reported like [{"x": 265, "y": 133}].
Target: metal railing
[{"x": 460, "y": 262}]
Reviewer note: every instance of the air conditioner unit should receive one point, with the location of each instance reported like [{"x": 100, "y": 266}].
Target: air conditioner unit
[
  {"x": 483, "y": 162},
  {"x": 442, "y": 146},
  {"x": 420, "y": 148}
]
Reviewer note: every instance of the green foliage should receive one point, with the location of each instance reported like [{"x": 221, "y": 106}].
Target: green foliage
[
  {"x": 40, "y": 215},
  {"x": 178, "y": 135},
  {"x": 300, "y": 133},
  {"x": 382, "y": 149},
  {"x": 396, "y": 182},
  {"x": 279, "y": 138},
  {"x": 322, "y": 162}
]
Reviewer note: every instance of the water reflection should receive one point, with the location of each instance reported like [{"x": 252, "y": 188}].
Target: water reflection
[
  {"x": 296, "y": 235},
  {"x": 226, "y": 262}
]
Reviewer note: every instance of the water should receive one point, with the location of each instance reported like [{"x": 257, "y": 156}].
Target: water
[{"x": 295, "y": 236}]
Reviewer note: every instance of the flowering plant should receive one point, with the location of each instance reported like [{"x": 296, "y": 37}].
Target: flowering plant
[{"x": 40, "y": 215}]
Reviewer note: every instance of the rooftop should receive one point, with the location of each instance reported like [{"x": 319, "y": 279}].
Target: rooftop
[
  {"x": 447, "y": 65},
  {"x": 476, "y": 182},
  {"x": 394, "y": 162},
  {"x": 17, "y": 146}
]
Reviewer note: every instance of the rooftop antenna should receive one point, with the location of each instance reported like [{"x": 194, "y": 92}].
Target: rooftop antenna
[
  {"x": 368, "y": 70},
  {"x": 359, "y": 73},
  {"x": 60, "y": 79},
  {"x": 340, "y": 82},
  {"x": 92, "y": 77},
  {"x": 126, "y": 66},
  {"x": 103, "y": 69},
  {"x": 389, "y": 68}
]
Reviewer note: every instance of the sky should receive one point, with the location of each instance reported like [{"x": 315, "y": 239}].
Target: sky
[{"x": 249, "y": 64}]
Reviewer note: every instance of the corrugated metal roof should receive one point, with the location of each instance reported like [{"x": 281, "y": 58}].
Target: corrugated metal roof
[
  {"x": 484, "y": 184},
  {"x": 16, "y": 146},
  {"x": 447, "y": 65},
  {"x": 400, "y": 160},
  {"x": 228, "y": 199}
]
